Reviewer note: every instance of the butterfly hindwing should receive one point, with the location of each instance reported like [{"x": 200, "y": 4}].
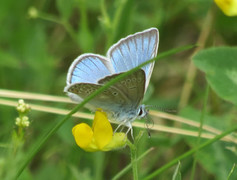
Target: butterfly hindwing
[
  {"x": 110, "y": 99},
  {"x": 132, "y": 86}
]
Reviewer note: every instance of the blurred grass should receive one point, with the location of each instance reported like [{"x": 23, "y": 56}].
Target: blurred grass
[{"x": 35, "y": 55}]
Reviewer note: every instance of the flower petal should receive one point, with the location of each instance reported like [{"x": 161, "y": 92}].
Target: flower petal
[
  {"x": 83, "y": 135},
  {"x": 119, "y": 140},
  {"x": 229, "y": 7},
  {"x": 102, "y": 129}
]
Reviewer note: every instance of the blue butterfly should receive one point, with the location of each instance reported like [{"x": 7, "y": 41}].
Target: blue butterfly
[{"x": 122, "y": 100}]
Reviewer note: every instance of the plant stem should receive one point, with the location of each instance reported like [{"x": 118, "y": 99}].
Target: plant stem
[
  {"x": 191, "y": 74},
  {"x": 200, "y": 130},
  {"x": 133, "y": 152},
  {"x": 115, "y": 23},
  {"x": 65, "y": 24},
  {"x": 105, "y": 16},
  {"x": 128, "y": 167}
]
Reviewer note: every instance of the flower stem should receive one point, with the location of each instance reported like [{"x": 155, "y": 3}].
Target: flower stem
[
  {"x": 133, "y": 152},
  {"x": 128, "y": 167}
]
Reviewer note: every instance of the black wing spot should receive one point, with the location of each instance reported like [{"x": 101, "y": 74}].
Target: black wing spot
[
  {"x": 124, "y": 83},
  {"x": 115, "y": 93},
  {"x": 139, "y": 80},
  {"x": 128, "y": 80}
]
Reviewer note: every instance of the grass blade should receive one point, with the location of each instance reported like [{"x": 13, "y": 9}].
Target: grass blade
[
  {"x": 189, "y": 153},
  {"x": 31, "y": 154}
]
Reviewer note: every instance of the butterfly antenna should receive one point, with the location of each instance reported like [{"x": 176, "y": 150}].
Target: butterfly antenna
[
  {"x": 148, "y": 131},
  {"x": 149, "y": 123},
  {"x": 164, "y": 109}
]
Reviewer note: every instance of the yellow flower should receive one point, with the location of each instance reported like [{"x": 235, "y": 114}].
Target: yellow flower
[
  {"x": 100, "y": 137},
  {"x": 229, "y": 7}
]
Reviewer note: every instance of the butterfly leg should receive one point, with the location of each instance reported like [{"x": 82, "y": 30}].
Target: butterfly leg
[
  {"x": 122, "y": 128},
  {"x": 125, "y": 123},
  {"x": 121, "y": 124},
  {"x": 129, "y": 125}
]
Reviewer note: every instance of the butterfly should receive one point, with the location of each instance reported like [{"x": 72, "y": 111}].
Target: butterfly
[{"x": 121, "y": 101}]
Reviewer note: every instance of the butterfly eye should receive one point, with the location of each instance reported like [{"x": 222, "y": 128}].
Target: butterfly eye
[{"x": 140, "y": 112}]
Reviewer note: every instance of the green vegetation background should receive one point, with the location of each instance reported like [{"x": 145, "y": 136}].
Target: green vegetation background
[{"x": 35, "y": 54}]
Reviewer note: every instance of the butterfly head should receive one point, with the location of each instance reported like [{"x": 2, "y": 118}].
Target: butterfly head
[{"x": 142, "y": 111}]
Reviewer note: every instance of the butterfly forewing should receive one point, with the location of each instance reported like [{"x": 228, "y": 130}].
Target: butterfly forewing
[
  {"x": 88, "y": 68},
  {"x": 134, "y": 50}
]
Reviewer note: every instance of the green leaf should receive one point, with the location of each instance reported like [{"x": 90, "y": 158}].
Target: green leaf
[
  {"x": 217, "y": 158},
  {"x": 177, "y": 173},
  {"x": 85, "y": 40},
  {"x": 8, "y": 60},
  {"x": 220, "y": 67}
]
